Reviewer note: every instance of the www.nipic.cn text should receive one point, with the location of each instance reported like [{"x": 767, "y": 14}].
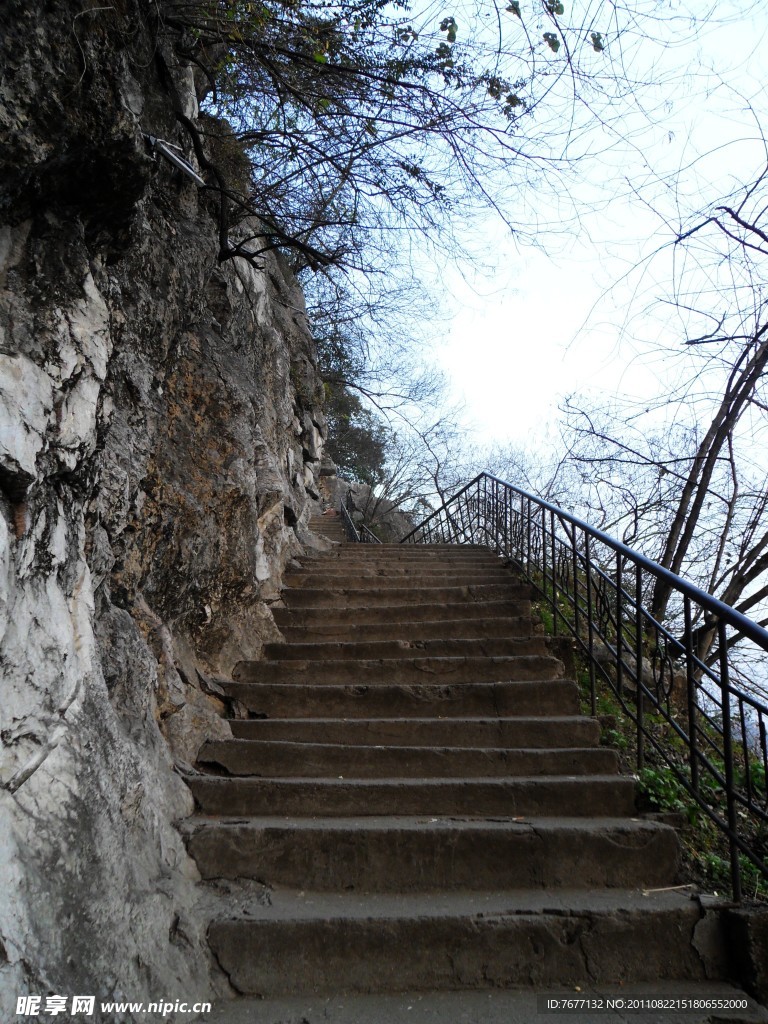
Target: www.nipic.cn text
[{"x": 52, "y": 1006}]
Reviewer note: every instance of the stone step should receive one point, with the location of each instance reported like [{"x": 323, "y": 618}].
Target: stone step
[
  {"x": 316, "y": 942},
  {"x": 459, "y": 629},
  {"x": 323, "y": 524},
  {"x": 374, "y": 582},
  {"x": 348, "y": 562},
  {"x": 392, "y": 551},
  {"x": 333, "y": 564},
  {"x": 411, "y": 732},
  {"x": 416, "y": 770},
  {"x": 449, "y": 629},
  {"x": 425, "y": 612},
  {"x": 281, "y": 700},
  {"x": 402, "y": 854},
  {"x": 548, "y": 796},
  {"x": 404, "y": 649},
  {"x": 408, "y": 670},
  {"x": 284, "y": 759},
  {"x": 352, "y": 598},
  {"x": 387, "y": 576}
]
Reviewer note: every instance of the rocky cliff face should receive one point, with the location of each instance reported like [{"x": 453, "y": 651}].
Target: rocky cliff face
[{"x": 160, "y": 427}]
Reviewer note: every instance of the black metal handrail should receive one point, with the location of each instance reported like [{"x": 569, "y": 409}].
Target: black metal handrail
[
  {"x": 357, "y": 534},
  {"x": 368, "y": 536},
  {"x": 678, "y": 673}
]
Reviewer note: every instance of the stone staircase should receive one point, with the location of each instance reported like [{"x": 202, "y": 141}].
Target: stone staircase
[
  {"x": 424, "y": 803},
  {"x": 330, "y": 525}
]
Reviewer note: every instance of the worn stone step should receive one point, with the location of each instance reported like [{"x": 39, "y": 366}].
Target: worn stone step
[
  {"x": 405, "y": 649},
  {"x": 381, "y": 614},
  {"x": 338, "y": 563},
  {"x": 393, "y": 554},
  {"x": 393, "y": 551},
  {"x": 315, "y": 942},
  {"x": 548, "y": 796},
  {"x": 523, "y": 698},
  {"x": 329, "y": 526},
  {"x": 285, "y": 758},
  {"x": 401, "y": 670},
  {"x": 403, "y": 854},
  {"x": 432, "y": 568},
  {"x": 456, "y": 629},
  {"x": 356, "y": 575},
  {"x": 355, "y": 597},
  {"x": 417, "y": 771},
  {"x": 374, "y": 582},
  {"x": 410, "y": 732}
]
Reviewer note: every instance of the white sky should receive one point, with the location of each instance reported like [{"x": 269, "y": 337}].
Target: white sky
[{"x": 537, "y": 327}]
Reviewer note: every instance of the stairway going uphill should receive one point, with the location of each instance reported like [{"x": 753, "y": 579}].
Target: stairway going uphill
[{"x": 428, "y": 808}]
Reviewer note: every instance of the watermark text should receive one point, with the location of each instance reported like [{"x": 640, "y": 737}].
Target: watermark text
[{"x": 86, "y": 1006}]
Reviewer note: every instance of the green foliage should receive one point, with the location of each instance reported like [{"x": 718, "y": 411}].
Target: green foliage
[
  {"x": 357, "y": 441},
  {"x": 716, "y": 871},
  {"x": 614, "y": 738},
  {"x": 449, "y": 26},
  {"x": 664, "y": 791},
  {"x": 757, "y": 777},
  {"x": 542, "y": 609},
  {"x": 661, "y": 786}
]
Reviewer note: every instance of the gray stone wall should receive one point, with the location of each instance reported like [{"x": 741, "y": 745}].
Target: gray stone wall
[{"x": 160, "y": 431}]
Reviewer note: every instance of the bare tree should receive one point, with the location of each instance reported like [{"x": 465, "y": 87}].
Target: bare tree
[
  {"x": 685, "y": 477},
  {"x": 359, "y": 119}
]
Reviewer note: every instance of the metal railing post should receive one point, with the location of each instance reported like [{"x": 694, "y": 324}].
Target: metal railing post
[
  {"x": 619, "y": 627},
  {"x": 481, "y": 502},
  {"x": 575, "y": 564},
  {"x": 728, "y": 758},
  {"x": 506, "y": 523},
  {"x": 590, "y": 628},
  {"x": 544, "y": 557},
  {"x": 690, "y": 679},
  {"x": 348, "y": 523},
  {"x": 640, "y": 698},
  {"x": 554, "y": 568}
]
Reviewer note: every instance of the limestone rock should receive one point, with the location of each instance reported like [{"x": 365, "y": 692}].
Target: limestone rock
[{"x": 152, "y": 489}]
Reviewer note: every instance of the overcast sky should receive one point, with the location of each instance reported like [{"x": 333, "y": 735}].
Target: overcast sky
[{"x": 531, "y": 326}]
